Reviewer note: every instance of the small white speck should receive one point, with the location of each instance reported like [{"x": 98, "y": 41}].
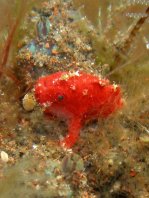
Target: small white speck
[
  {"x": 147, "y": 45},
  {"x": 39, "y": 84},
  {"x": 85, "y": 92},
  {"x": 59, "y": 177},
  {"x": 4, "y": 156},
  {"x": 102, "y": 83},
  {"x": 73, "y": 87},
  {"x": 115, "y": 86},
  {"x": 77, "y": 73},
  {"x": 38, "y": 187},
  {"x": 34, "y": 146},
  {"x": 47, "y": 182},
  {"x": 47, "y": 104}
]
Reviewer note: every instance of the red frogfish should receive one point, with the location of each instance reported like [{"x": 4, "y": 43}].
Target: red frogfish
[{"x": 77, "y": 97}]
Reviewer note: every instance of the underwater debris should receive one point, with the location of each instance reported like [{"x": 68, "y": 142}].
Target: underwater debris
[
  {"x": 29, "y": 102},
  {"x": 109, "y": 174},
  {"x": 56, "y": 45},
  {"x": 4, "y": 156},
  {"x": 144, "y": 139},
  {"x": 54, "y": 93},
  {"x": 72, "y": 162}
]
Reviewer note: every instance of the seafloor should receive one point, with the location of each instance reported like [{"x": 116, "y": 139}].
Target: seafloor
[{"x": 111, "y": 156}]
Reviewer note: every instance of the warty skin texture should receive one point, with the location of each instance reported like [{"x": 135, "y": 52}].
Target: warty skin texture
[{"x": 77, "y": 97}]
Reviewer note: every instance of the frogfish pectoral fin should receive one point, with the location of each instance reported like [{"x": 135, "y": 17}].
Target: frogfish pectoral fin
[{"x": 74, "y": 127}]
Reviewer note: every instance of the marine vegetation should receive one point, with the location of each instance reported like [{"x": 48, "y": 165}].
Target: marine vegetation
[{"x": 79, "y": 66}]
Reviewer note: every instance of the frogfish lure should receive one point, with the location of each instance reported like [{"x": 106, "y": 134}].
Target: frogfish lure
[{"x": 77, "y": 97}]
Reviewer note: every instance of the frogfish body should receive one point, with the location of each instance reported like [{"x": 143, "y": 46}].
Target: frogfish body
[{"x": 77, "y": 97}]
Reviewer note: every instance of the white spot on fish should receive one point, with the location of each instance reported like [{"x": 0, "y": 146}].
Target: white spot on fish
[
  {"x": 39, "y": 84},
  {"x": 47, "y": 104},
  {"x": 115, "y": 86},
  {"x": 73, "y": 87},
  {"x": 85, "y": 92}
]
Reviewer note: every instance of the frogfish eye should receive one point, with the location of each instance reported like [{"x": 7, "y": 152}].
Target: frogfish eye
[{"x": 60, "y": 97}]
